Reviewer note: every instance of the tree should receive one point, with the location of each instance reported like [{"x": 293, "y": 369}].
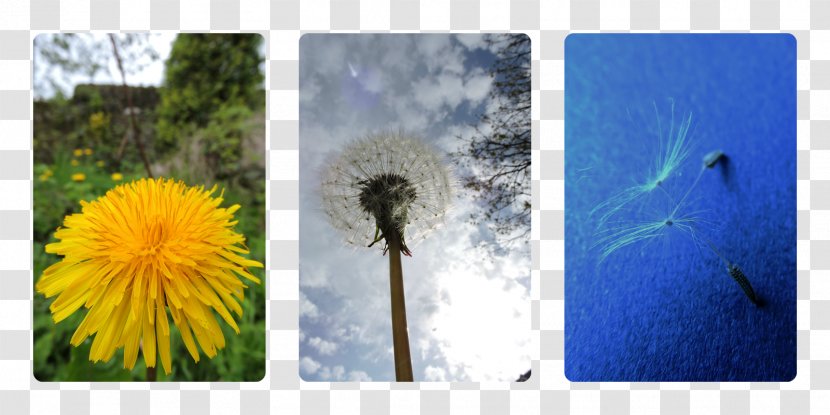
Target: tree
[
  {"x": 204, "y": 75},
  {"x": 497, "y": 156}
]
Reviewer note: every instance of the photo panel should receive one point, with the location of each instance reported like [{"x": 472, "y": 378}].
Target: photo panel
[
  {"x": 415, "y": 207},
  {"x": 680, "y": 207},
  {"x": 149, "y": 207}
]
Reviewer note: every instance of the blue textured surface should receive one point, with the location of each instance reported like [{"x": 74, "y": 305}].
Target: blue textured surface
[{"x": 666, "y": 309}]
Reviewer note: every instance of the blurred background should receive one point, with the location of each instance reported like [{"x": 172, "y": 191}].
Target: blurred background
[{"x": 109, "y": 109}]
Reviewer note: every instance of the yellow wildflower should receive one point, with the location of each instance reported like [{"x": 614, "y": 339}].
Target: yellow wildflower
[{"x": 145, "y": 248}]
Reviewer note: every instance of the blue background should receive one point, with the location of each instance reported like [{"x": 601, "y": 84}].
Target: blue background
[{"x": 667, "y": 310}]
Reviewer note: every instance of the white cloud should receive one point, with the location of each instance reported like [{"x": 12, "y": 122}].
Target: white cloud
[
  {"x": 323, "y": 347},
  {"x": 338, "y": 374},
  {"x": 309, "y": 366},
  {"x": 435, "y": 92},
  {"x": 471, "y": 41},
  {"x": 332, "y": 373},
  {"x": 359, "y": 376},
  {"x": 477, "y": 86},
  {"x": 307, "y": 308},
  {"x": 435, "y": 374}
]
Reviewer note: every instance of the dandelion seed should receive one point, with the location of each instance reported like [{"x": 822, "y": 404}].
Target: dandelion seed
[
  {"x": 673, "y": 150},
  {"x": 614, "y": 238},
  {"x": 737, "y": 274},
  {"x": 142, "y": 249}
]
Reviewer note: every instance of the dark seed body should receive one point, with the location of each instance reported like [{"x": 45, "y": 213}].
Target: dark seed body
[
  {"x": 388, "y": 197},
  {"x": 741, "y": 279}
]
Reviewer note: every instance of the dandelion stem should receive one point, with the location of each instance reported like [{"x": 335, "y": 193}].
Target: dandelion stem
[{"x": 400, "y": 333}]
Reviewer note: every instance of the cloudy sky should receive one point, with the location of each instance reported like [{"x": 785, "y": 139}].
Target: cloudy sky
[{"x": 468, "y": 312}]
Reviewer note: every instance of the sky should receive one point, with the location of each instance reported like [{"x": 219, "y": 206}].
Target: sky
[
  {"x": 468, "y": 310},
  {"x": 149, "y": 73}
]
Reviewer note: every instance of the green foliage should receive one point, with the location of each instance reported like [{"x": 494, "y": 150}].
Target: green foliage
[
  {"x": 63, "y": 124},
  {"x": 223, "y": 137},
  {"x": 204, "y": 75}
]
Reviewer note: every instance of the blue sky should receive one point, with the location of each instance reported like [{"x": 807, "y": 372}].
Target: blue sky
[{"x": 468, "y": 311}]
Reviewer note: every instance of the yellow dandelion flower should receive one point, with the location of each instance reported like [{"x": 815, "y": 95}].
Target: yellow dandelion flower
[
  {"x": 78, "y": 152},
  {"x": 78, "y": 177},
  {"x": 74, "y": 163},
  {"x": 117, "y": 177},
  {"x": 142, "y": 249},
  {"x": 87, "y": 151},
  {"x": 99, "y": 163},
  {"x": 46, "y": 175}
]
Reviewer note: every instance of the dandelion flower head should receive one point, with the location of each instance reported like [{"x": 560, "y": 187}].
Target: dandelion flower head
[
  {"x": 385, "y": 184},
  {"x": 78, "y": 177},
  {"x": 46, "y": 175},
  {"x": 142, "y": 249}
]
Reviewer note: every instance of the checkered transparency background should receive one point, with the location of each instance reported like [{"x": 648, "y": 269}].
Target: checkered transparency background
[{"x": 282, "y": 22}]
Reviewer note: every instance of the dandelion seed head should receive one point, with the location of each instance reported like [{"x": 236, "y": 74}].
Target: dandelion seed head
[
  {"x": 386, "y": 183},
  {"x": 142, "y": 249}
]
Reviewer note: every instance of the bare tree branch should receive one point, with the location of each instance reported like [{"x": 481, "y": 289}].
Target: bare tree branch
[
  {"x": 498, "y": 154},
  {"x": 129, "y": 99}
]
